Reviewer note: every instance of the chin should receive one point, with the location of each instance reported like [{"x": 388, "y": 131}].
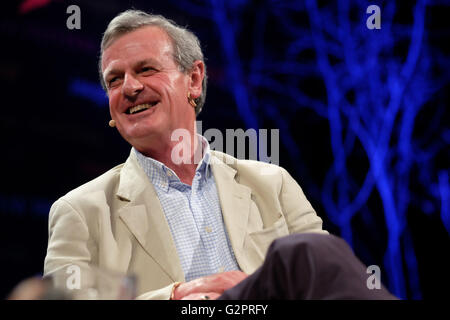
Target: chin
[{"x": 141, "y": 133}]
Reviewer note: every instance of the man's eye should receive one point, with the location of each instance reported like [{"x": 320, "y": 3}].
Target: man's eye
[
  {"x": 145, "y": 69},
  {"x": 111, "y": 82}
]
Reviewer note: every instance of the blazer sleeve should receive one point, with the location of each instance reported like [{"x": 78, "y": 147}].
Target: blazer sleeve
[
  {"x": 159, "y": 294},
  {"x": 68, "y": 238},
  {"x": 72, "y": 242},
  {"x": 299, "y": 214}
]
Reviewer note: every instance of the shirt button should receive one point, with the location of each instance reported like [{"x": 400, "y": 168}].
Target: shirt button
[
  {"x": 208, "y": 229},
  {"x": 221, "y": 269}
]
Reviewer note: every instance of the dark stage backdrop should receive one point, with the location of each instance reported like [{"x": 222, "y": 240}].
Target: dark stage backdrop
[{"x": 362, "y": 113}]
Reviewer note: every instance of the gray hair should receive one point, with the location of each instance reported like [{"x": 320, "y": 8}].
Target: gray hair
[{"x": 186, "y": 46}]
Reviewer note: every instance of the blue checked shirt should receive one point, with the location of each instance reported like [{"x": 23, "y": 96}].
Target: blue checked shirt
[{"x": 194, "y": 216}]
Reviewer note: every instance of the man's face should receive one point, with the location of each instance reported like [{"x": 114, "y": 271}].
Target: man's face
[{"x": 147, "y": 92}]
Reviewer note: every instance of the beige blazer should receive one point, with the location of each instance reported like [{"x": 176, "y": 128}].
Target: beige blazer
[{"x": 116, "y": 222}]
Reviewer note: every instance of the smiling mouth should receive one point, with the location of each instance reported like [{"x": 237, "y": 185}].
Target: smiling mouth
[{"x": 140, "y": 107}]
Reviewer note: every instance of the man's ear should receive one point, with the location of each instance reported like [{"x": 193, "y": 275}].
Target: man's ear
[{"x": 196, "y": 76}]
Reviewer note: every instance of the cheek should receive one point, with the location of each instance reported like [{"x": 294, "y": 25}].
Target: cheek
[
  {"x": 174, "y": 82},
  {"x": 113, "y": 101}
]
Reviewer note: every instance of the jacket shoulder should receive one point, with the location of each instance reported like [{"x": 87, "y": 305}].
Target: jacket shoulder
[
  {"x": 107, "y": 182},
  {"x": 257, "y": 171},
  {"x": 251, "y": 165}
]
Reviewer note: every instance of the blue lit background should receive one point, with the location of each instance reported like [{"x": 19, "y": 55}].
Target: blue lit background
[{"x": 363, "y": 117}]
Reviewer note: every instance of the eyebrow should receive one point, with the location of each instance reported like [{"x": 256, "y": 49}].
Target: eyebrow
[
  {"x": 146, "y": 61},
  {"x": 138, "y": 64}
]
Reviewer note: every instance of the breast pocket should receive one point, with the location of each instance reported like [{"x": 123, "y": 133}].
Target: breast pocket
[{"x": 262, "y": 239}]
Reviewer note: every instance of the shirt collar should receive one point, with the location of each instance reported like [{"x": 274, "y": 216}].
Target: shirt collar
[{"x": 162, "y": 176}]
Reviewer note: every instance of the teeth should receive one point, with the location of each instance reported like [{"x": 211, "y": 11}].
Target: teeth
[{"x": 140, "y": 107}]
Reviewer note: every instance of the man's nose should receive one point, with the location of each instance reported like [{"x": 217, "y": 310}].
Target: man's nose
[{"x": 131, "y": 86}]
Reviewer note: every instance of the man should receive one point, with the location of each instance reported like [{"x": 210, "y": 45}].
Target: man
[{"x": 185, "y": 228}]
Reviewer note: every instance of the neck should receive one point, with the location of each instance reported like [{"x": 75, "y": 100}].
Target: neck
[{"x": 181, "y": 156}]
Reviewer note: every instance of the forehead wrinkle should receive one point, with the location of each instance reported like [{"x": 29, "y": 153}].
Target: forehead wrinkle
[{"x": 166, "y": 49}]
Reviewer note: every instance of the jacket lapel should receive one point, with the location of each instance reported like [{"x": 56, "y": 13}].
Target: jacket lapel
[
  {"x": 235, "y": 200},
  {"x": 144, "y": 217}
]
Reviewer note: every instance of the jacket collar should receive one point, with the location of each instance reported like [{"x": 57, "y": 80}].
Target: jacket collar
[
  {"x": 144, "y": 217},
  {"x": 235, "y": 200}
]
